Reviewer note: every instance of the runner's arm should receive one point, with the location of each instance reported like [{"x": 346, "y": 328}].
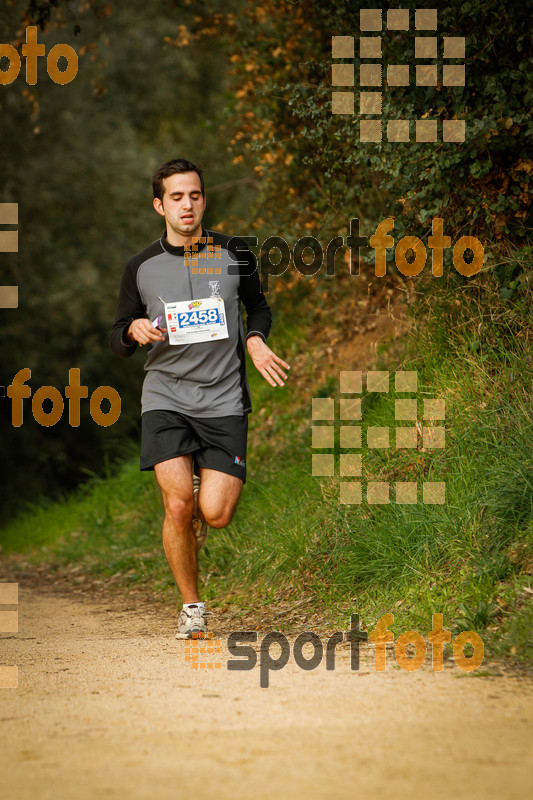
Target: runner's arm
[
  {"x": 258, "y": 314},
  {"x": 258, "y": 322},
  {"x": 129, "y": 307}
]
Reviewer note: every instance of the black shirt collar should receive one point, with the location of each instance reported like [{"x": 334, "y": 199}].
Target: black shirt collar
[{"x": 180, "y": 251}]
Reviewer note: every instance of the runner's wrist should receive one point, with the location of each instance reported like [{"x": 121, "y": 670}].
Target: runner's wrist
[
  {"x": 255, "y": 336},
  {"x": 127, "y": 337}
]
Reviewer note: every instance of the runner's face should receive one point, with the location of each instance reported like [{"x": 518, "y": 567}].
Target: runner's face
[{"x": 183, "y": 204}]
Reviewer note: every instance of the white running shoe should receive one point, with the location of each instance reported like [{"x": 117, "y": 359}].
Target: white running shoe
[
  {"x": 192, "y": 623},
  {"x": 199, "y": 525}
]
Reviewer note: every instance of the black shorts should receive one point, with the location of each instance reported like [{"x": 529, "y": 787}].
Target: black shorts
[{"x": 214, "y": 442}]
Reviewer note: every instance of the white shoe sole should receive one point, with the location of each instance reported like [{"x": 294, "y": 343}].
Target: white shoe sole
[{"x": 192, "y": 635}]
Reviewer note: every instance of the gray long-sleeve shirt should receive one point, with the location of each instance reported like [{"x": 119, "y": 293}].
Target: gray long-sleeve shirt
[{"x": 201, "y": 379}]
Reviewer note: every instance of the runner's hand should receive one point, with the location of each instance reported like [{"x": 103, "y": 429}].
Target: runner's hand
[
  {"x": 266, "y": 361},
  {"x": 143, "y": 332}
]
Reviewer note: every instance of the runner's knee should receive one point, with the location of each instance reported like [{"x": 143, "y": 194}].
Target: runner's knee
[
  {"x": 179, "y": 508},
  {"x": 218, "y": 520}
]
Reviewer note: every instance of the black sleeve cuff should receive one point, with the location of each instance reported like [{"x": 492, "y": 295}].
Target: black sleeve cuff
[
  {"x": 256, "y": 333},
  {"x": 125, "y": 342}
]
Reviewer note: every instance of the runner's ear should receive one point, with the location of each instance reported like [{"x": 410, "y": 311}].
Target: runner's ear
[{"x": 158, "y": 205}]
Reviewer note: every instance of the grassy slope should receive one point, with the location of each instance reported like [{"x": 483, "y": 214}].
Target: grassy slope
[{"x": 470, "y": 559}]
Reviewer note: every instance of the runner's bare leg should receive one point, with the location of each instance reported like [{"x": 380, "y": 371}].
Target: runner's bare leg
[
  {"x": 179, "y": 542},
  {"x": 218, "y": 497},
  {"x": 217, "y": 501}
]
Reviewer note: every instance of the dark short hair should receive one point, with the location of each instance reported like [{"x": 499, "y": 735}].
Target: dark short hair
[{"x": 171, "y": 168}]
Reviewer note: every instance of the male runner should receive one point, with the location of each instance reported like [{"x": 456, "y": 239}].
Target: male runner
[{"x": 181, "y": 296}]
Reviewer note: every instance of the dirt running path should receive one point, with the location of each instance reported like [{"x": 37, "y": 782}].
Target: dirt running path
[{"x": 108, "y": 707}]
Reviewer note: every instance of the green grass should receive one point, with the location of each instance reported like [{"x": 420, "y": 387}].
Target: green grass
[{"x": 470, "y": 559}]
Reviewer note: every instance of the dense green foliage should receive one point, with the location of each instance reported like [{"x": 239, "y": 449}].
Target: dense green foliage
[{"x": 312, "y": 163}]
